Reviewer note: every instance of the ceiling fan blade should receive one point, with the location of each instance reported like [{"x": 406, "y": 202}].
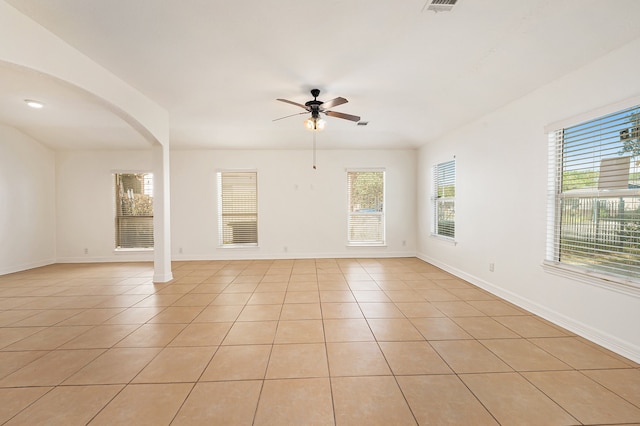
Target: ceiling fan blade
[
  {"x": 287, "y": 116},
  {"x": 293, "y": 103},
  {"x": 342, "y": 115},
  {"x": 334, "y": 102}
]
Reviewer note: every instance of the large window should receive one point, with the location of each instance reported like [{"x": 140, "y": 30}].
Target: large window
[
  {"x": 366, "y": 207},
  {"x": 238, "y": 208},
  {"x": 444, "y": 199},
  {"x": 594, "y": 197},
  {"x": 134, "y": 210}
]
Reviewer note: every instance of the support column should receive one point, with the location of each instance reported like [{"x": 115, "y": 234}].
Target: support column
[{"x": 161, "y": 214}]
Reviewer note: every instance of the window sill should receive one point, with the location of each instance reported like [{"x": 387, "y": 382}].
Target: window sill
[
  {"x": 623, "y": 285},
  {"x": 448, "y": 240},
  {"x": 366, "y": 245},
  {"x": 238, "y": 246},
  {"x": 133, "y": 250}
]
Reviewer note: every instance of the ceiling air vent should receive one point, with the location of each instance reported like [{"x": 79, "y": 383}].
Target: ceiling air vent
[{"x": 441, "y": 5}]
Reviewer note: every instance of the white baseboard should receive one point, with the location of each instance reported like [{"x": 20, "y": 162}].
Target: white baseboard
[
  {"x": 107, "y": 259},
  {"x": 251, "y": 254},
  {"x": 599, "y": 337},
  {"x": 23, "y": 267}
]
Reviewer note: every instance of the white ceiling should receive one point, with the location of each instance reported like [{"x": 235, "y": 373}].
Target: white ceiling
[
  {"x": 71, "y": 119},
  {"x": 217, "y": 67}
]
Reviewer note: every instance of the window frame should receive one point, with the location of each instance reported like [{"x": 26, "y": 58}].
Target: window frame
[
  {"x": 555, "y": 195},
  {"x": 115, "y": 175},
  {"x": 242, "y": 233},
  {"x": 436, "y": 199},
  {"x": 381, "y": 213}
]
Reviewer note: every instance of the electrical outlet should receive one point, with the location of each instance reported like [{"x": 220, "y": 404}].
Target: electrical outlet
[
  {"x": 180, "y": 250},
  {"x": 86, "y": 251},
  {"x": 492, "y": 267}
]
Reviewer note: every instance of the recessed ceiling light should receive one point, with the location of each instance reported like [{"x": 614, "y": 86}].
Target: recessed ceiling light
[{"x": 34, "y": 104}]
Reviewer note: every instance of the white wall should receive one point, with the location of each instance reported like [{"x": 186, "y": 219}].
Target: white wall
[
  {"x": 85, "y": 203},
  {"x": 299, "y": 208},
  {"x": 27, "y": 202},
  {"x": 501, "y": 203}
]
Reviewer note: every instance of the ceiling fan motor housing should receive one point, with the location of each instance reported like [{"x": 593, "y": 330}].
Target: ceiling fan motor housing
[{"x": 315, "y": 104}]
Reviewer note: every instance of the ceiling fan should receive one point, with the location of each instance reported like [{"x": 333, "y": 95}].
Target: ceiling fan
[{"x": 316, "y": 107}]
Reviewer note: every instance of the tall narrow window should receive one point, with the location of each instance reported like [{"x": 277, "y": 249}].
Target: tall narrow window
[
  {"x": 366, "y": 207},
  {"x": 594, "y": 195},
  {"x": 238, "y": 208},
  {"x": 134, "y": 210},
  {"x": 444, "y": 199}
]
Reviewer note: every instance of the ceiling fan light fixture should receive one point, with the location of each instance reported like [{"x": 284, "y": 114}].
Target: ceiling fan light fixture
[{"x": 314, "y": 124}]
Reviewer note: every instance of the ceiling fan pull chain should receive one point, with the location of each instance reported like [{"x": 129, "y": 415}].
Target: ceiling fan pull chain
[{"x": 314, "y": 150}]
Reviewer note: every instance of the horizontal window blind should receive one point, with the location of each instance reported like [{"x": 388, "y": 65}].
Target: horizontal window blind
[
  {"x": 238, "y": 208},
  {"x": 444, "y": 196},
  {"x": 134, "y": 210},
  {"x": 366, "y": 207},
  {"x": 595, "y": 179}
]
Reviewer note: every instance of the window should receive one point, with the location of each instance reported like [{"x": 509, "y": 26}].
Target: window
[
  {"x": 594, "y": 195},
  {"x": 238, "y": 208},
  {"x": 134, "y": 210},
  {"x": 444, "y": 199},
  {"x": 366, "y": 207}
]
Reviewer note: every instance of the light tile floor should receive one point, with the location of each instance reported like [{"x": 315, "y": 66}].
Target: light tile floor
[{"x": 324, "y": 341}]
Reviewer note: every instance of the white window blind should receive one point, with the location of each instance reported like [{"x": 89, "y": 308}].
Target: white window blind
[
  {"x": 444, "y": 199},
  {"x": 238, "y": 208},
  {"x": 366, "y": 207},
  {"x": 594, "y": 195},
  {"x": 134, "y": 210}
]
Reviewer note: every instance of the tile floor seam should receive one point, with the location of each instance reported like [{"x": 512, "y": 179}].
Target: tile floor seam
[
  {"x": 549, "y": 396},
  {"x": 255, "y": 410},
  {"x": 493, "y": 415},
  {"x": 30, "y": 404},
  {"x": 395, "y": 378},
  {"x": 597, "y": 383},
  {"x": 107, "y": 404},
  {"x": 513, "y": 367},
  {"x": 326, "y": 350},
  {"x": 183, "y": 402}
]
